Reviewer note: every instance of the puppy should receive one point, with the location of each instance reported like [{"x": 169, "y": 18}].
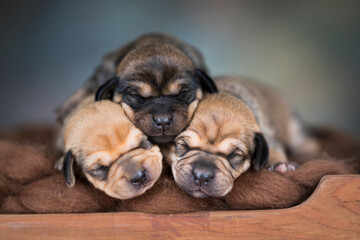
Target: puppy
[
  {"x": 114, "y": 155},
  {"x": 228, "y": 135},
  {"x": 158, "y": 80},
  {"x": 222, "y": 141},
  {"x": 277, "y": 121}
]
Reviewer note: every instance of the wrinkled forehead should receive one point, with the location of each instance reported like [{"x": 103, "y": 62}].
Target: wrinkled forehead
[
  {"x": 213, "y": 140},
  {"x": 107, "y": 148}
]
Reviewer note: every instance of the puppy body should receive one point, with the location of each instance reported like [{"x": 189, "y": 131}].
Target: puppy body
[
  {"x": 157, "y": 79},
  {"x": 112, "y": 153},
  {"x": 276, "y": 119}
]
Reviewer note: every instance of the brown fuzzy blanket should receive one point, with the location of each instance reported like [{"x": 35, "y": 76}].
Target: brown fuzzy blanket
[{"x": 30, "y": 184}]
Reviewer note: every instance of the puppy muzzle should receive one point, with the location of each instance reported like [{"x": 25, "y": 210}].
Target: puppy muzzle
[
  {"x": 134, "y": 173},
  {"x": 165, "y": 121},
  {"x": 201, "y": 177}
]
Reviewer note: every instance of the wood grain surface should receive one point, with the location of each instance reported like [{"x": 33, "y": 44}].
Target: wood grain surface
[{"x": 332, "y": 212}]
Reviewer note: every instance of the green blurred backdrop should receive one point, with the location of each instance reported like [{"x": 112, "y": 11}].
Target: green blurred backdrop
[{"x": 309, "y": 50}]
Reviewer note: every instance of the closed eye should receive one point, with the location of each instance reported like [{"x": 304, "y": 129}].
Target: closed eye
[
  {"x": 181, "y": 148},
  {"x": 100, "y": 172},
  {"x": 236, "y": 159},
  {"x": 186, "y": 95},
  {"x": 133, "y": 100},
  {"x": 145, "y": 144}
]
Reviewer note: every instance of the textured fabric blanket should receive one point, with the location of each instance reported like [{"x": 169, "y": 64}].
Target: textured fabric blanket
[{"x": 30, "y": 184}]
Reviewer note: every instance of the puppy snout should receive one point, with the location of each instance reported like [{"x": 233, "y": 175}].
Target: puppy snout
[
  {"x": 203, "y": 172},
  {"x": 140, "y": 178},
  {"x": 162, "y": 121},
  {"x": 202, "y": 176}
]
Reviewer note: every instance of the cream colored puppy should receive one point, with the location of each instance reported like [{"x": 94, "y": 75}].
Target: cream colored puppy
[{"x": 113, "y": 154}]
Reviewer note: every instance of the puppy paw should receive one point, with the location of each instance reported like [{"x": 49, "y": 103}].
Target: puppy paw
[
  {"x": 59, "y": 164},
  {"x": 283, "y": 167}
]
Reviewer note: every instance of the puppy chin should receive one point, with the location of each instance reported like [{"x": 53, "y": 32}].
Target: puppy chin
[
  {"x": 158, "y": 135},
  {"x": 162, "y": 139},
  {"x": 125, "y": 190},
  {"x": 197, "y": 194},
  {"x": 206, "y": 192}
]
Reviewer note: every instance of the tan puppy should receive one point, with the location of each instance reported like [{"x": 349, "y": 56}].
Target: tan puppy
[
  {"x": 222, "y": 141},
  {"x": 157, "y": 79},
  {"x": 114, "y": 155},
  {"x": 277, "y": 121},
  {"x": 228, "y": 135}
]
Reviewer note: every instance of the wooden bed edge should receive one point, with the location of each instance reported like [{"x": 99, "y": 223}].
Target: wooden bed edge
[{"x": 333, "y": 210}]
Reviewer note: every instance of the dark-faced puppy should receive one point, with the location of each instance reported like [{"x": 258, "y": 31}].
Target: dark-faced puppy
[
  {"x": 222, "y": 141},
  {"x": 159, "y": 81},
  {"x": 113, "y": 154}
]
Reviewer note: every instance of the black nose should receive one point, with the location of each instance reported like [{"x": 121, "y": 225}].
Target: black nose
[
  {"x": 139, "y": 179},
  {"x": 162, "y": 121},
  {"x": 203, "y": 171},
  {"x": 203, "y": 176}
]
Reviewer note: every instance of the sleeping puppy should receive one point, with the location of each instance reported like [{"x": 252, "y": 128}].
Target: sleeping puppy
[
  {"x": 222, "y": 141},
  {"x": 158, "y": 80},
  {"x": 114, "y": 155},
  {"x": 278, "y": 123},
  {"x": 228, "y": 135}
]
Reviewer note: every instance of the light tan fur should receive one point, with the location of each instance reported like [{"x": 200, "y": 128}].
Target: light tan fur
[
  {"x": 100, "y": 134},
  {"x": 222, "y": 125}
]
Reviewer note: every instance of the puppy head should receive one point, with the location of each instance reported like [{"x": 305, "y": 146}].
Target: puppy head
[
  {"x": 114, "y": 155},
  {"x": 158, "y": 88},
  {"x": 221, "y": 142}
]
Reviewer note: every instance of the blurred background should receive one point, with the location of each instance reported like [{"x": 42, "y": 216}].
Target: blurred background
[{"x": 309, "y": 50}]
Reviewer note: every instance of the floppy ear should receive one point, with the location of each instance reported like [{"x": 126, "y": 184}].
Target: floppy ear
[
  {"x": 261, "y": 154},
  {"x": 106, "y": 91},
  {"x": 68, "y": 170},
  {"x": 207, "y": 84}
]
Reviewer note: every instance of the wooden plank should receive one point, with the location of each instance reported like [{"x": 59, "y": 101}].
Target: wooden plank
[{"x": 333, "y": 211}]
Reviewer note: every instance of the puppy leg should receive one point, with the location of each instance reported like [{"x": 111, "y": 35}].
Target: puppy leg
[
  {"x": 59, "y": 163},
  {"x": 300, "y": 144},
  {"x": 278, "y": 160}
]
